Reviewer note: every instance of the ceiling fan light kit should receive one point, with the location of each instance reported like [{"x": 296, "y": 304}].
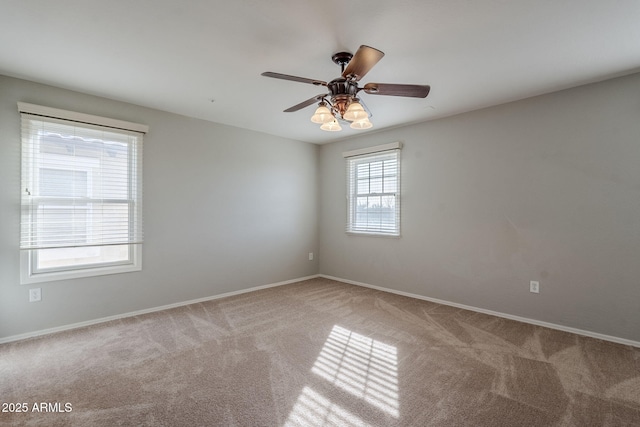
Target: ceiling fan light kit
[{"x": 342, "y": 103}]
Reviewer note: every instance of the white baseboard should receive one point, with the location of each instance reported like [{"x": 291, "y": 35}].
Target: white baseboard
[
  {"x": 145, "y": 311},
  {"x": 596, "y": 335},
  {"x": 493, "y": 313}
]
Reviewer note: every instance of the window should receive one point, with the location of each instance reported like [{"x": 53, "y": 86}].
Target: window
[
  {"x": 81, "y": 195},
  {"x": 373, "y": 189}
]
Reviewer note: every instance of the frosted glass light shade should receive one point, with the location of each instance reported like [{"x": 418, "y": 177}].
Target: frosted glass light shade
[
  {"x": 322, "y": 115},
  {"x": 355, "y": 112},
  {"x": 332, "y": 126},
  {"x": 361, "y": 124}
]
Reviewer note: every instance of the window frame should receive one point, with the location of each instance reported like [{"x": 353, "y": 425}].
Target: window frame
[
  {"x": 29, "y": 275},
  {"x": 29, "y": 271},
  {"x": 371, "y": 155}
]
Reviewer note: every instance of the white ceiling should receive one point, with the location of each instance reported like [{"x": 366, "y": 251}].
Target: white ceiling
[{"x": 178, "y": 56}]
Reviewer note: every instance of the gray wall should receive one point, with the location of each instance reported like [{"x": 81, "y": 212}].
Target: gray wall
[
  {"x": 543, "y": 189},
  {"x": 225, "y": 209}
]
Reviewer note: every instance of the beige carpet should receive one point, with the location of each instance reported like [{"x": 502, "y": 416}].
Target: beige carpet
[{"x": 319, "y": 353}]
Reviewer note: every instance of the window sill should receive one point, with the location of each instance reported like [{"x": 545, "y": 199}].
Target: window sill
[{"x": 373, "y": 234}]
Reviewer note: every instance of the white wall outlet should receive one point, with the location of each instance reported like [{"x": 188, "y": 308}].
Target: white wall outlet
[
  {"x": 310, "y": 256},
  {"x": 35, "y": 294},
  {"x": 534, "y": 287}
]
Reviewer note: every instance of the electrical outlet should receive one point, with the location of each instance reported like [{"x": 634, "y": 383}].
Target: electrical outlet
[
  {"x": 35, "y": 294},
  {"x": 534, "y": 287},
  {"x": 310, "y": 256}
]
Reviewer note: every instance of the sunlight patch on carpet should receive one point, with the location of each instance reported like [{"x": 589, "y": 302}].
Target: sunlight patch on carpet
[
  {"x": 313, "y": 409},
  {"x": 361, "y": 366}
]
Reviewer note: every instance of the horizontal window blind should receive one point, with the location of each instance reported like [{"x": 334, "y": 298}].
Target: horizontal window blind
[
  {"x": 373, "y": 190},
  {"x": 81, "y": 184}
]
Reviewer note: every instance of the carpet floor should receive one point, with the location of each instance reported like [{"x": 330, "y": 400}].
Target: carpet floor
[{"x": 318, "y": 353}]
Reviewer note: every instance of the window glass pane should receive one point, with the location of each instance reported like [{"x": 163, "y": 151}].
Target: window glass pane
[
  {"x": 388, "y": 212},
  {"x": 373, "y": 202},
  {"x": 63, "y": 183},
  {"x": 388, "y": 202},
  {"x": 361, "y": 212},
  {"x": 390, "y": 184},
  {"x": 65, "y": 223},
  {"x": 376, "y": 185},
  {"x": 390, "y": 165},
  {"x": 362, "y": 171},
  {"x": 363, "y": 186},
  {"x": 113, "y": 182},
  {"x": 60, "y": 224},
  {"x": 64, "y": 156},
  {"x": 112, "y": 222},
  {"x": 79, "y": 257},
  {"x": 376, "y": 169},
  {"x": 362, "y": 202}
]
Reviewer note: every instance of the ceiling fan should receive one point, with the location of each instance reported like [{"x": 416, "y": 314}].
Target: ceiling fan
[{"x": 342, "y": 103}]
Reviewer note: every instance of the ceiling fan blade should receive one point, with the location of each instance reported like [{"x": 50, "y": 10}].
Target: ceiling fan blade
[
  {"x": 294, "y": 78},
  {"x": 414, "y": 91},
  {"x": 363, "y": 61},
  {"x": 306, "y": 103}
]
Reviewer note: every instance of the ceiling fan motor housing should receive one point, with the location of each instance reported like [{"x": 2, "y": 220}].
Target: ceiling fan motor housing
[{"x": 342, "y": 91}]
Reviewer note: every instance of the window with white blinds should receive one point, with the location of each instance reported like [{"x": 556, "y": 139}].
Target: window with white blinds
[
  {"x": 373, "y": 189},
  {"x": 81, "y": 191}
]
